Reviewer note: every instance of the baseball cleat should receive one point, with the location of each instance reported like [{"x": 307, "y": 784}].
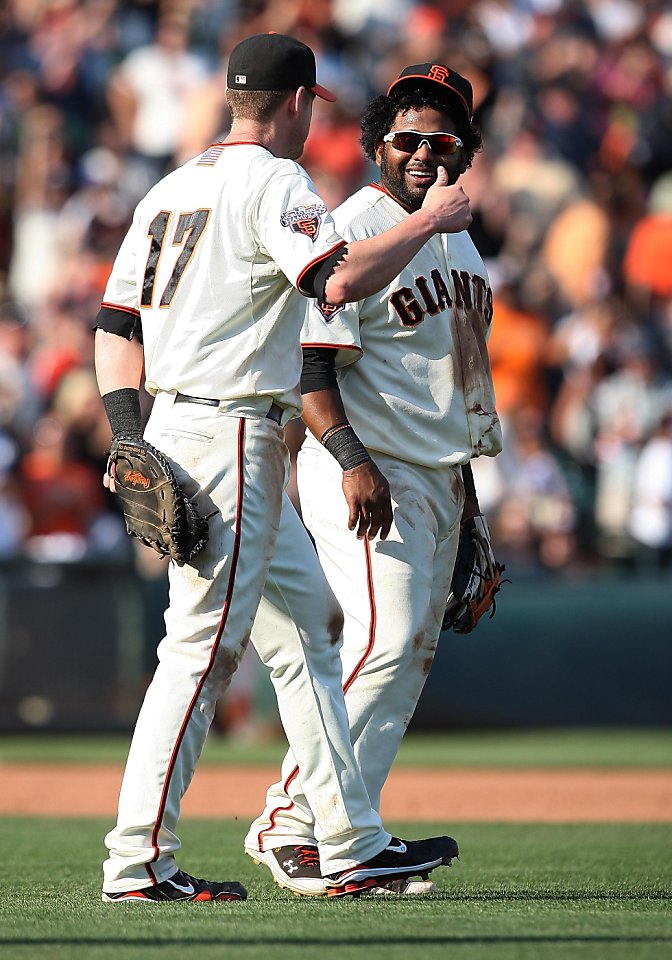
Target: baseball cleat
[
  {"x": 295, "y": 867},
  {"x": 399, "y": 860},
  {"x": 180, "y": 887}
]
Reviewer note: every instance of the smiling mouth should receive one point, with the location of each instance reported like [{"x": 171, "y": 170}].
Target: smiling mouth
[{"x": 421, "y": 177}]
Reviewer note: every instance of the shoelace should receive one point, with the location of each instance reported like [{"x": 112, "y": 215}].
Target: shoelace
[{"x": 308, "y": 856}]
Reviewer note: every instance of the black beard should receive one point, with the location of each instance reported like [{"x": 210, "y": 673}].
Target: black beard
[{"x": 394, "y": 181}]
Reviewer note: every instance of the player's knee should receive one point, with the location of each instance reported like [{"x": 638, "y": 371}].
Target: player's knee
[{"x": 406, "y": 652}]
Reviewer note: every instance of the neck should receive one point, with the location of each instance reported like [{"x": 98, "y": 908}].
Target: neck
[{"x": 265, "y": 134}]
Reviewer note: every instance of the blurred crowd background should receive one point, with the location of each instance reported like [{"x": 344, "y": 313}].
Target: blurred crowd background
[{"x": 572, "y": 201}]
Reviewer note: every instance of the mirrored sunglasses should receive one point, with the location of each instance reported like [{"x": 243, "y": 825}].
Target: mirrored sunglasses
[{"x": 408, "y": 141}]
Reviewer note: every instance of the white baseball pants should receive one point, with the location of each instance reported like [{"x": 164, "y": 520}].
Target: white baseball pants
[
  {"x": 393, "y": 595},
  {"x": 236, "y": 466}
]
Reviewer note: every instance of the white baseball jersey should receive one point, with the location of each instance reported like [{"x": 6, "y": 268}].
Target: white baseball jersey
[
  {"x": 210, "y": 264},
  {"x": 421, "y": 387},
  {"x": 415, "y": 379}
]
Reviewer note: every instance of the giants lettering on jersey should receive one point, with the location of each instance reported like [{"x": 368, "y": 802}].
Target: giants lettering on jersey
[{"x": 464, "y": 290}]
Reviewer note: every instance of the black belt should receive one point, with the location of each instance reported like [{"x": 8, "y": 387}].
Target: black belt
[{"x": 275, "y": 413}]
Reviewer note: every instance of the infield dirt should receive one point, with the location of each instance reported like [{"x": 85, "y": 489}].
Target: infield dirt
[{"x": 412, "y": 793}]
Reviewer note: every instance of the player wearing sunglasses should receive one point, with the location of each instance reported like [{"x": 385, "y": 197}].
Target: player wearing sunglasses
[
  {"x": 398, "y": 398},
  {"x": 409, "y": 141}
]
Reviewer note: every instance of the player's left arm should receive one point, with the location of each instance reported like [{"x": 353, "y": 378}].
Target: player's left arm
[{"x": 366, "y": 490}]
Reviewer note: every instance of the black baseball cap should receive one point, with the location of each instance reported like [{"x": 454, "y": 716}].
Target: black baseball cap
[
  {"x": 272, "y": 61},
  {"x": 456, "y": 87}
]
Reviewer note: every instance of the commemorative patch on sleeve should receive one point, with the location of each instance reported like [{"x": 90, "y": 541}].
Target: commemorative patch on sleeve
[{"x": 305, "y": 220}]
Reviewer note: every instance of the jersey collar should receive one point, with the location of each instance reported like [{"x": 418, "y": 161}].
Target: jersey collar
[
  {"x": 379, "y": 186},
  {"x": 239, "y": 143}
]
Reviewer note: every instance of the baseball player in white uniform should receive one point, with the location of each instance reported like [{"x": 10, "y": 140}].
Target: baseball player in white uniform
[
  {"x": 398, "y": 398},
  {"x": 203, "y": 297}
]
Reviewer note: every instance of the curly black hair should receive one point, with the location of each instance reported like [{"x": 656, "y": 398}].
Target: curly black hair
[{"x": 381, "y": 112}]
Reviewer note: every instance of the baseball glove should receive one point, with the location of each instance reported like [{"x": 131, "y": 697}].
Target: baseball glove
[
  {"x": 477, "y": 577},
  {"x": 156, "y": 510}
]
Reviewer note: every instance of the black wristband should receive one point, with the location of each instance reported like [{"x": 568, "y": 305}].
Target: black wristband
[
  {"x": 345, "y": 446},
  {"x": 123, "y": 411}
]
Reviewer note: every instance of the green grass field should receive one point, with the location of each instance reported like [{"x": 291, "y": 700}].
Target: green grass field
[
  {"x": 526, "y": 748},
  {"x": 520, "y": 891}
]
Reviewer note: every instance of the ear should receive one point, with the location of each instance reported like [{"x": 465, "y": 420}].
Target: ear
[
  {"x": 291, "y": 103},
  {"x": 379, "y": 152},
  {"x": 298, "y": 98}
]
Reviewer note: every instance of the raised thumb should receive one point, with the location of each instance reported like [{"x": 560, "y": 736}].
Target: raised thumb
[{"x": 441, "y": 176}]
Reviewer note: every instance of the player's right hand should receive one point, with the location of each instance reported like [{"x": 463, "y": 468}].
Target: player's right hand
[
  {"x": 448, "y": 203},
  {"x": 367, "y": 493}
]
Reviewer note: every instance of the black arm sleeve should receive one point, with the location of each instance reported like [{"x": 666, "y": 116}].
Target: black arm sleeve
[
  {"x": 315, "y": 279},
  {"x": 125, "y": 323},
  {"x": 319, "y": 369}
]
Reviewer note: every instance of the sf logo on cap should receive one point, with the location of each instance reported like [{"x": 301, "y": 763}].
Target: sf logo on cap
[{"x": 438, "y": 73}]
